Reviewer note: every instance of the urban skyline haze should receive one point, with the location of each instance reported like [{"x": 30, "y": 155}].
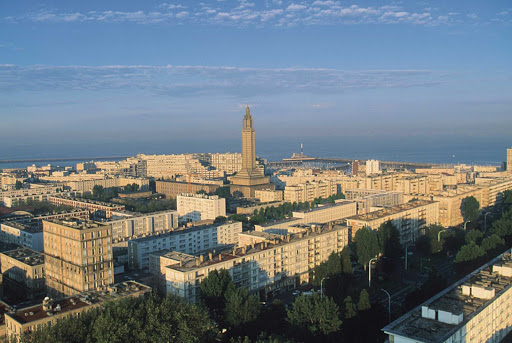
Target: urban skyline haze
[{"x": 156, "y": 77}]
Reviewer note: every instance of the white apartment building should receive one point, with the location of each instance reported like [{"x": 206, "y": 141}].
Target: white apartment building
[
  {"x": 265, "y": 267},
  {"x": 327, "y": 213},
  {"x": 28, "y": 235},
  {"x": 189, "y": 241},
  {"x": 372, "y": 167},
  {"x": 409, "y": 219},
  {"x": 368, "y": 198},
  {"x": 128, "y": 225},
  {"x": 475, "y": 309},
  {"x": 195, "y": 207},
  {"x": 309, "y": 191}
]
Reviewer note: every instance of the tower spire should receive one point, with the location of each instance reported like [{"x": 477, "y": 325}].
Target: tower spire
[{"x": 247, "y": 111}]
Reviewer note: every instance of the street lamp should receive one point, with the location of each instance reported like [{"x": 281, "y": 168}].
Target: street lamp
[
  {"x": 389, "y": 304},
  {"x": 485, "y": 221},
  {"x": 439, "y": 235},
  {"x": 406, "y": 247},
  {"x": 322, "y": 288},
  {"x": 370, "y": 271},
  {"x": 467, "y": 221}
]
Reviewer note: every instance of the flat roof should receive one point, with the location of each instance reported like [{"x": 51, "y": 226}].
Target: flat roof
[
  {"x": 327, "y": 206},
  {"x": 87, "y": 201},
  {"x": 391, "y": 210},
  {"x": 25, "y": 255},
  {"x": 76, "y": 223},
  {"x": 33, "y": 226},
  {"x": 453, "y": 300},
  {"x": 117, "y": 291}
]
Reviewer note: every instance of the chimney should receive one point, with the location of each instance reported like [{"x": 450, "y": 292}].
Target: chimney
[
  {"x": 201, "y": 258},
  {"x": 181, "y": 263},
  {"x": 197, "y": 263},
  {"x": 210, "y": 256},
  {"x": 244, "y": 250},
  {"x": 220, "y": 257}
]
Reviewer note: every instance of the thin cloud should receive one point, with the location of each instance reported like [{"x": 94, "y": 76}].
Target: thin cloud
[
  {"x": 193, "y": 80},
  {"x": 267, "y": 13}
]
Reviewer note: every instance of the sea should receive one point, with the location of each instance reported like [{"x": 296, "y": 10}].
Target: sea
[{"x": 455, "y": 151}]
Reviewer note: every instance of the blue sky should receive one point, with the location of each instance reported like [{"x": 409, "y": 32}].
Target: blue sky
[{"x": 155, "y": 76}]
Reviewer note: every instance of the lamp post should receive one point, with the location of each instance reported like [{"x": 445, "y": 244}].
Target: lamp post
[
  {"x": 406, "y": 247},
  {"x": 467, "y": 221},
  {"x": 485, "y": 221},
  {"x": 370, "y": 271},
  {"x": 389, "y": 304},
  {"x": 439, "y": 235},
  {"x": 322, "y": 288}
]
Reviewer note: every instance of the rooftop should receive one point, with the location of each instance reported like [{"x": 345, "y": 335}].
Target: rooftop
[
  {"x": 87, "y": 201},
  {"x": 32, "y": 226},
  {"x": 327, "y": 206},
  {"x": 456, "y": 305},
  {"x": 76, "y": 223},
  {"x": 117, "y": 291},
  {"x": 25, "y": 255},
  {"x": 391, "y": 210}
]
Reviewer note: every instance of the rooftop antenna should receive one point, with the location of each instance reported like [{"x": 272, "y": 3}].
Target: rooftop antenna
[{"x": 301, "y": 149}]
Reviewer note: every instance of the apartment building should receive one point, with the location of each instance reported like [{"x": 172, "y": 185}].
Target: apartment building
[
  {"x": 171, "y": 189},
  {"x": 96, "y": 208},
  {"x": 492, "y": 189},
  {"x": 34, "y": 318},
  {"x": 409, "y": 219},
  {"x": 194, "y": 207},
  {"x": 190, "y": 241},
  {"x": 450, "y": 202},
  {"x": 327, "y": 213},
  {"x": 230, "y": 163},
  {"x": 46, "y": 189},
  {"x": 267, "y": 267},
  {"x": 128, "y": 225},
  {"x": 28, "y": 234},
  {"x": 20, "y": 200},
  {"x": 309, "y": 191},
  {"x": 23, "y": 272},
  {"x": 78, "y": 256},
  {"x": 268, "y": 195},
  {"x": 509, "y": 160},
  {"x": 474, "y": 309},
  {"x": 372, "y": 167},
  {"x": 368, "y": 198}
]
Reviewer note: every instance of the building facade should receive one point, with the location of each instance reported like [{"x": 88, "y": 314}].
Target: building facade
[
  {"x": 171, "y": 189},
  {"x": 266, "y": 267},
  {"x": 195, "y": 207},
  {"x": 189, "y": 241},
  {"x": 97, "y": 208},
  {"x": 268, "y": 195},
  {"x": 23, "y": 272},
  {"x": 372, "y": 167},
  {"x": 327, "y": 213},
  {"x": 78, "y": 256},
  {"x": 133, "y": 225},
  {"x": 410, "y": 219},
  {"x": 309, "y": 191}
]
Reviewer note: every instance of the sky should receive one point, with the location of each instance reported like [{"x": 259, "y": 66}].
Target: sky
[{"x": 115, "y": 77}]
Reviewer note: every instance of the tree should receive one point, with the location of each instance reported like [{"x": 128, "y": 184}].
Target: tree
[
  {"x": 318, "y": 316},
  {"x": 238, "y": 218},
  {"x": 346, "y": 262},
  {"x": 350, "y": 308},
  {"x": 220, "y": 219},
  {"x": 201, "y": 191},
  {"x": 213, "y": 290},
  {"x": 18, "y": 184},
  {"x": 367, "y": 245},
  {"x": 389, "y": 240},
  {"x": 241, "y": 307},
  {"x": 364, "y": 301},
  {"x": 474, "y": 236},
  {"x": 223, "y": 192},
  {"x": 97, "y": 191},
  {"x": 331, "y": 266},
  {"x": 493, "y": 245},
  {"x": 257, "y": 220},
  {"x": 469, "y": 208}
]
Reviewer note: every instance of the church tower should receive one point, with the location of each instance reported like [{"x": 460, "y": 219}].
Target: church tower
[{"x": 250, "y": 177}]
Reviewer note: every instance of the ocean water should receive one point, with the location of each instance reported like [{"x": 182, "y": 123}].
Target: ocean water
[{"x": 449, "y": 151}]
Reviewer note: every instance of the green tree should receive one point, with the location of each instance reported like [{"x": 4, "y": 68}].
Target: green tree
[
  {"x": 366, "y": 244},
  {"x": 257, "y": 220},
  {"x": 201, "y": 191},
  {"x": 220, "y": 219},
  {"x": 18, "y": 184},
  {"x": 474, "y": 236},
  {"x": 213, "y": 290},
  {"x": 346, "y": 262},
  {"x": 493, "y": 245},
  {"x": 469, "y": 208},
  {"x": 97, "y": 191},
  {"x": 469, "y": 252},
  {"x": 318, "y": 316},
  {"x": 331, "y": 266},
  {"x": 241, "y": 307},
  {"x": 389, "y": 240},
  {"x": 350, "y": 308},
  {"x": 364, "y": 301},
  {"x": 223, "y": 192},
  {"x": 238, "y": 218}
]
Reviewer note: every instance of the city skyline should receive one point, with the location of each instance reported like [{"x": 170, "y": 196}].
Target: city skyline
[{"x": 80, "y": 76}]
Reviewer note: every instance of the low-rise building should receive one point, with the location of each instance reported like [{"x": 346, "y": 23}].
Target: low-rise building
[
  {"x": 23, "y": 271},
  {"x": 474, "y": 309},
  {"x": 267, "y": 267},
  {"x": 196, "y": 207},
  {"x": 409, "y": 219},
  {"x": 368, "y": 198},
  {"x": 171, "y": 189},
  {"x": 190, "y": 241},
  {"x": 34, "y": 318},
  {"x": 97, "y": 208}
]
